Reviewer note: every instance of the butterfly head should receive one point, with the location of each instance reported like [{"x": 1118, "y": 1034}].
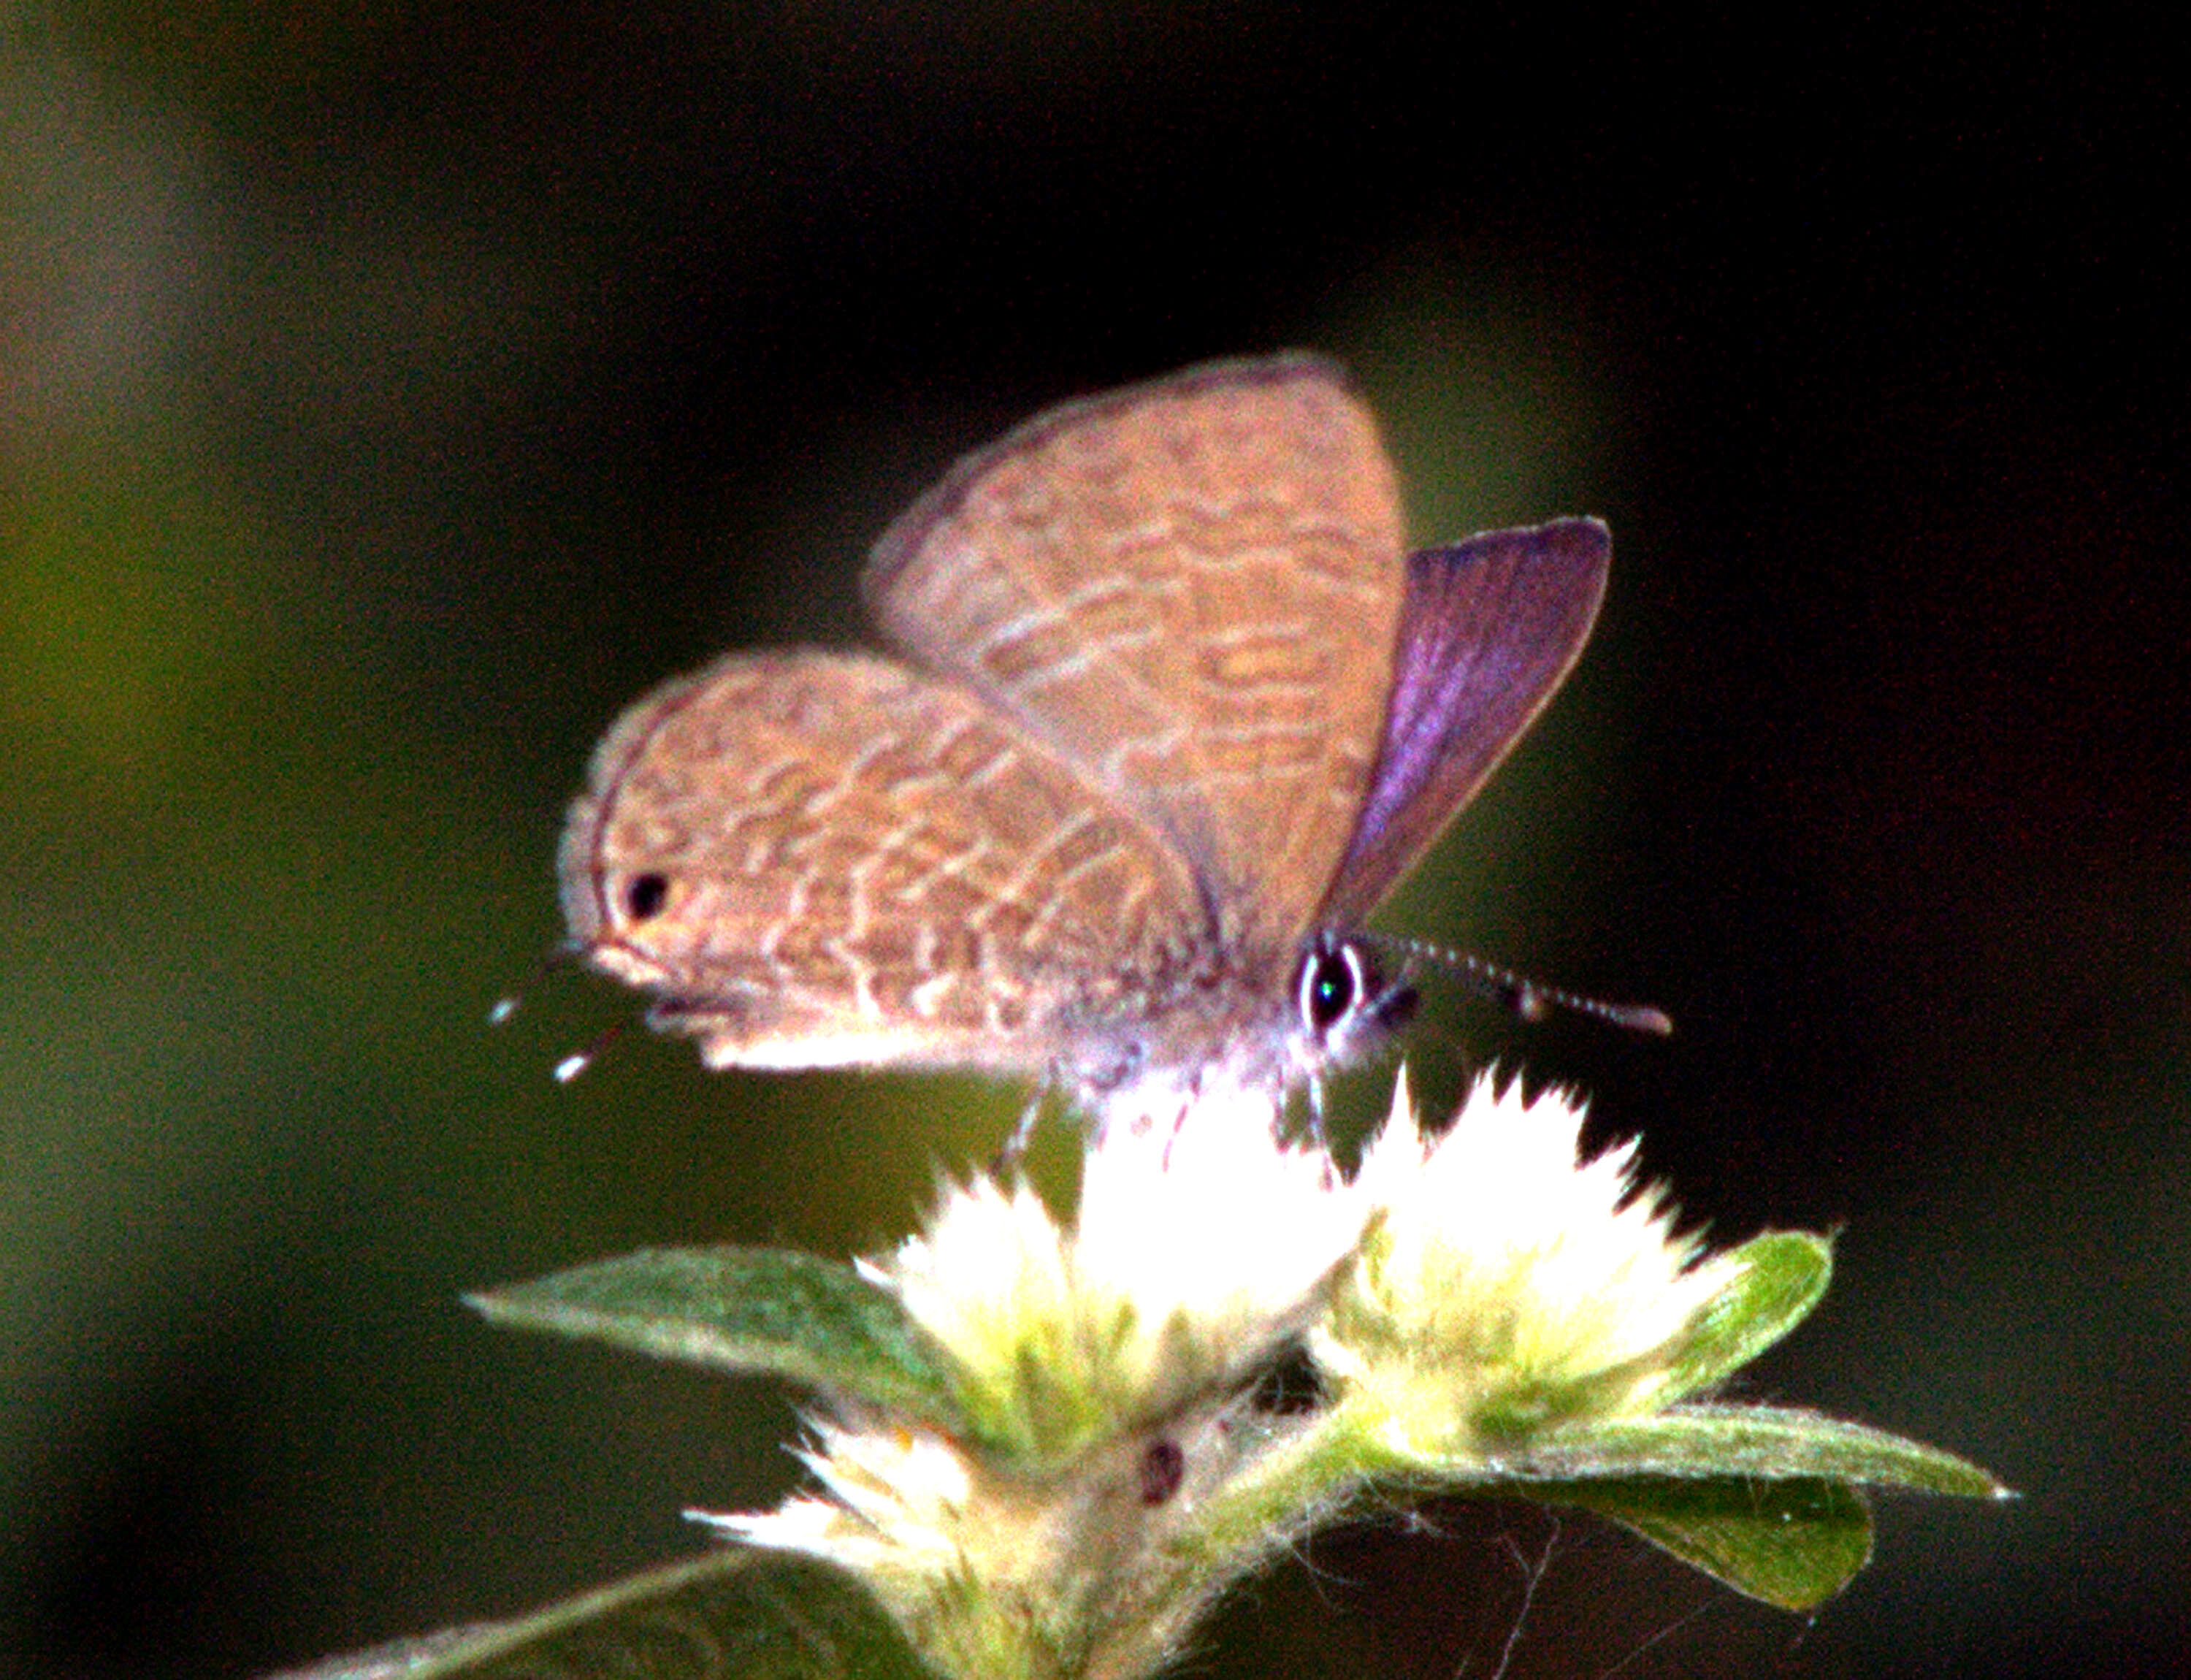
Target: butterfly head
[
  {"x": 1240, "y": 1031},
  {"x": 1345, "y": 1005}
]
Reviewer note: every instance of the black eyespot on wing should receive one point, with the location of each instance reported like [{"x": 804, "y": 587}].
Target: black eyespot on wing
[{"x": 644, "y": 895}]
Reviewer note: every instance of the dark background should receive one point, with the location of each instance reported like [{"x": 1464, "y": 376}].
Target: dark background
[{"x": 388, "y": 395}]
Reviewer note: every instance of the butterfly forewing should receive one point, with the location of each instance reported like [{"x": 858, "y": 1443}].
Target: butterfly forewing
[
  {"x": 818, "y": 860},
  {"x": 1489, "y": 628},
  {"x": 1191, "y": 588}
]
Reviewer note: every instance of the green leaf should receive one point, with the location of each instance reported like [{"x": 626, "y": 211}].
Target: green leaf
[
  {"x": 1783, "y": 1275},
  {"x": 731, "y": 1614},
  {"x": 1764, "y": 1499},
  {"x": 770, "y": 1310},
  {"x": 1794, "y": 1544},
  {"x": 1709, "y": 1442}
]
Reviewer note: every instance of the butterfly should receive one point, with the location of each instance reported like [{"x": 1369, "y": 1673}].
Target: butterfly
[{"x": 1167, "y": 708}]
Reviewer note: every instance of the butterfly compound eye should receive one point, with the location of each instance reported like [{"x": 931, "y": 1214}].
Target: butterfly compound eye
[{"x": 1330, "y": 988}]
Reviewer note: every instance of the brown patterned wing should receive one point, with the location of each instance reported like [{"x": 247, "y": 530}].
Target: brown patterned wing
[
  {"x": 817, "y": 860},
  {"x": 1191, "y": 588}
]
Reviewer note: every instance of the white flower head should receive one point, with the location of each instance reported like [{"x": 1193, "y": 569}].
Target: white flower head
[
  {"x": 1507, "y": 1285},
  {"x": 1200, "y": 1242},
  {"x": 892, "y": 1508}
]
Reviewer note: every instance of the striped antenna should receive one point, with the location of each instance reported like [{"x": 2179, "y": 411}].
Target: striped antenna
[{"x": 1528, "y": 1000}]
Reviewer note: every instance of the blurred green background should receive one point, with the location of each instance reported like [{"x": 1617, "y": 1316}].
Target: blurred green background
[{"x": 389, "y": 393}]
